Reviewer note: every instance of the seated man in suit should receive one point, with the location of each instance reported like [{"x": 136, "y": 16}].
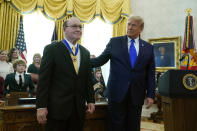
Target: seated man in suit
[{"x": 18, "y": 81}]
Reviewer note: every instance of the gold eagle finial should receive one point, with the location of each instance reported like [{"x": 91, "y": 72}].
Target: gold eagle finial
[{"x": 188, "y": 11}]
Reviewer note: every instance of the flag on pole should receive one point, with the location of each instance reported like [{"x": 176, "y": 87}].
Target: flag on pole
[
  {"x": 20, "y": 41},
  {"x": 54, "y": 36},
  {"x": 188, "y": 49}
]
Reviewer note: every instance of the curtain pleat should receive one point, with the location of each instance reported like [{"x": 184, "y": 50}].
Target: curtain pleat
[
  {"x": 9, "y": 25},
  {"x": 119, "y": 29},
  {"x": 59, "y": 26}
]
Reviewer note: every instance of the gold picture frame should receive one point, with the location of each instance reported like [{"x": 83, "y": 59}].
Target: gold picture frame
[{"x": 167, "y": 52}]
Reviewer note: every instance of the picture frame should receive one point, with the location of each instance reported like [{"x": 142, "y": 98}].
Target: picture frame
[{"x": 167, "y": 51}]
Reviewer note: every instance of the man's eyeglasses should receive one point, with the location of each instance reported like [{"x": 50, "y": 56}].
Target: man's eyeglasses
[{"x": 75, "y": 27}]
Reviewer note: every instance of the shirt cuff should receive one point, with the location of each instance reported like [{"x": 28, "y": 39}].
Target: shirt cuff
[{"x": 41, "y": 108}]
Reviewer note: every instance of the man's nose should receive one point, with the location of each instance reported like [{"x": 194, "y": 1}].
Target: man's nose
[{"x": 130, "y": 27}]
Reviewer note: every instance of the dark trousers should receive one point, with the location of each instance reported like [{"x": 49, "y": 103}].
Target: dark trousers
[
  {"x": 74, "y": 123},
  {"x": 124, "y": 116}
]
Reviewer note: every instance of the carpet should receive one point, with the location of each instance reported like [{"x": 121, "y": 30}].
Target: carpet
[{"x": 149, "y": 126}]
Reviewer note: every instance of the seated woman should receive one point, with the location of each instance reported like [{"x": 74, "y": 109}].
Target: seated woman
[
  {"x": 18, "y": 81},
  {"x": 34, "y": 68},
  {"x": 13, "y": 55},
  {"x": 5, "y": 67}
]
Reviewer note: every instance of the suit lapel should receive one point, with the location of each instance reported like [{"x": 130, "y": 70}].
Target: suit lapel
[
  {"x": 25, "y": 79},
  {"x": 13, "y": 78},
  {"x": 141, "y": 52},
  {"x": 67, "y": 56},
  {"x": 82, "y": 60},
  {"x": 125, "y": 50}
]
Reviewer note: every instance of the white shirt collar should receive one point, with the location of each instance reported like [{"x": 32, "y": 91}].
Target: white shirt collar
[
  {"x": 70, "y": 44},
  {"x": 136, "y": 44},
  {"x": 19, "y": 73},
  {"x": 136, "y": 39}
]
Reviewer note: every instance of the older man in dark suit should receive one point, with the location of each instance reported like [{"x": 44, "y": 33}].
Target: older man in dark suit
[
  {"x": 132, "y": 76},
  {"x": 64, "y": 84}
]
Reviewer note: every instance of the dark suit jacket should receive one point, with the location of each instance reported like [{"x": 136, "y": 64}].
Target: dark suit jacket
[
  {"x": 60, "y": 89},
  {"x": 14, "y": 87},
  {"x": 1, "y": 86},
  {"x": 122, "y": 76}
]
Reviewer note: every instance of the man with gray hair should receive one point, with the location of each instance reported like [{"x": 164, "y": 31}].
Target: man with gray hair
[{"x": 132, "y": 76}]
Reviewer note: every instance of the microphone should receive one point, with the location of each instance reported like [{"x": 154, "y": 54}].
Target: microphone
[{"x": 183, "y": 57}]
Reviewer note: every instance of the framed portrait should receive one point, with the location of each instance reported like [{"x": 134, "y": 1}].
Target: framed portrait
[{"x": 167, "y": 52}]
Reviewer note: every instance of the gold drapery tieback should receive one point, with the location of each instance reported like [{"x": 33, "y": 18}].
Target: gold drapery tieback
[{"x": 74, "y": 59}]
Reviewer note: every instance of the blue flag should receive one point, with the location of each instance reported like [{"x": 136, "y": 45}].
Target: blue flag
[{"x": 54, "y": 36}]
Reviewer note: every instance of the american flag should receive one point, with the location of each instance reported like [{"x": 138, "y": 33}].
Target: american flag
[{"x": 20, "y": 41}]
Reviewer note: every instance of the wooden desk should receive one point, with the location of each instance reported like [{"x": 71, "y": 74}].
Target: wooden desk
[
  {"x": 179, "y": 114},
  {"x": 97, "y": 121},
  {"x": 23, "y": 118}
]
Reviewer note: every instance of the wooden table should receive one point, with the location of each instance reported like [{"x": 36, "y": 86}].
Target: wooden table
[{"x": 23, "y": 118}]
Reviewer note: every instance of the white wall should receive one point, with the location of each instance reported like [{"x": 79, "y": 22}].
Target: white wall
[{"x": 164, "y": 18}]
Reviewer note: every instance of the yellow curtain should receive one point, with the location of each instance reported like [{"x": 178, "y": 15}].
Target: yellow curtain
[
  {"x": 55, "y": 9},
  {"x": 111, "y": 11},
  {"x": 84, "y": 9},
  {"x": 119, "y": 29},
  {"x": 9, "y": 25},
  {"x": 24, "y": 6},
  {"x": 59, "y": 27}
]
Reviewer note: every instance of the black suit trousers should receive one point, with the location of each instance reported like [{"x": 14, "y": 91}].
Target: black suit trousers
[
  {"x": 124, "y": 116},
  {"x": 73, "y": 123}
]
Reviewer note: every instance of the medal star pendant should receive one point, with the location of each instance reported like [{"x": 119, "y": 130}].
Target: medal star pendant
[{"x": 74, "y": 58}]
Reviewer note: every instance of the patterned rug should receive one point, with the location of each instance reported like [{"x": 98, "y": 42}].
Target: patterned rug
[{"x": 149, "y": 126}]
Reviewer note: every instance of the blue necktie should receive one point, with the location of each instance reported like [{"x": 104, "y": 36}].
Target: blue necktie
[{"x": 132, "y": 53}]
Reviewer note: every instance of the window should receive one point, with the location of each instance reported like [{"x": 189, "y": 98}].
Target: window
[
  {"x": 38, "y": 32},
  {"x": 96, "y": 36}
]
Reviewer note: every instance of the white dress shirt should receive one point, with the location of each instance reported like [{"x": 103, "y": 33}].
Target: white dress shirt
[
  {"x": 136, "y": 44},
  {"x": 17, "y": 77}
]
